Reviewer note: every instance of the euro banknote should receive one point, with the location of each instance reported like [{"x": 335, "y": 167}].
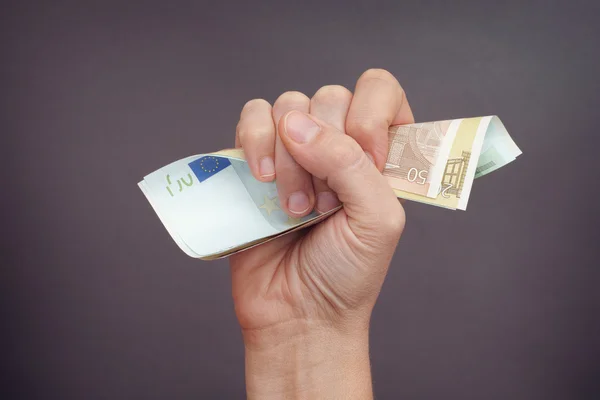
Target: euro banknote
[{"x": 213, "y": 207}]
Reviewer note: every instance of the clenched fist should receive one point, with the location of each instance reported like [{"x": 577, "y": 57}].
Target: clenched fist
[{"x": 304, "y": 300}]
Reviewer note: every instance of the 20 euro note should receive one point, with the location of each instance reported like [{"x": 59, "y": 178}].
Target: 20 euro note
[{"x": 212, "y": 206}]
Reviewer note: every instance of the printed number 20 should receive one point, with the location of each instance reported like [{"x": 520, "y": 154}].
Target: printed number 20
[{"x": 414, "y": 174}]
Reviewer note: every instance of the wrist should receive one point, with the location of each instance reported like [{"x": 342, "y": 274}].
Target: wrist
[{"x": 307, "y": 360}]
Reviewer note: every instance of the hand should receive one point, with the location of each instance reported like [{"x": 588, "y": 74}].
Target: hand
[{"x": 311, "y": 292}]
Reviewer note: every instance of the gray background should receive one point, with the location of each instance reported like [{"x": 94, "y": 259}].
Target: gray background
[{"x": 97, "y": 302}]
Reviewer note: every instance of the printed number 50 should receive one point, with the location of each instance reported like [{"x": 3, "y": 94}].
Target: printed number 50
[{"x": 414, "y": 174}]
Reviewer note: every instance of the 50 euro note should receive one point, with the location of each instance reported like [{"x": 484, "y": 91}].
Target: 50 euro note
[
  {"x": 212, "y": 206},
  {"x": 436, "y": 162}
]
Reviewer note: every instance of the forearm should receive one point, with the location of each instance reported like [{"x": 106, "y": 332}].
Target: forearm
[{"x": 308, "y": 363}]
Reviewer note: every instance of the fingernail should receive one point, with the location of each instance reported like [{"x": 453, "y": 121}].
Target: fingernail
[
  {"x": 298, "y": 202},
  {"x": 326, "y": 201},
  {"x": 370, "y": 157},
  {"x": 267, "y": 167},
  {"x": 300, "y": 128}
]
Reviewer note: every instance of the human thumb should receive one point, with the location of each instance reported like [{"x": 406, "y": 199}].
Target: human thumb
[{"x": 374, "y": 213}]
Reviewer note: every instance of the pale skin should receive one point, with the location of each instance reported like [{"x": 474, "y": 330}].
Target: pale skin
[{"x": 304, "y": 300}]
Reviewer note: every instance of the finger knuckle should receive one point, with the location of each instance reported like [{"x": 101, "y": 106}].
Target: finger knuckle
[
  {"x": 378, "y": 74},
  {"x": 366, "y": 127},
  {"x": 255, "y": 136},
  {"x": 255, "y": 104},
  {"x": 331, "y": 94},
  {"x": 292, "y": 96},
  {"x": 386, "y": 77}
]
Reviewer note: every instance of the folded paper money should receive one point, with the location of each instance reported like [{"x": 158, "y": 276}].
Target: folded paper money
[{"x": 212, "y": 206}]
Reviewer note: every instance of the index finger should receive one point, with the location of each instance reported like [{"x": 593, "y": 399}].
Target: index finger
[{"x": 379, "y": 102}]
